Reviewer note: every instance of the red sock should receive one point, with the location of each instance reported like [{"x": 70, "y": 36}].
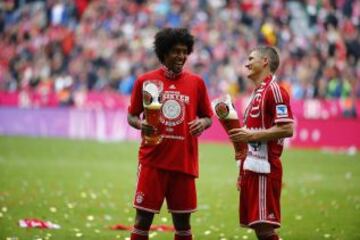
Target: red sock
[
  {"x": 183, "y": 235},
  {"x": 139, "y": 234}
]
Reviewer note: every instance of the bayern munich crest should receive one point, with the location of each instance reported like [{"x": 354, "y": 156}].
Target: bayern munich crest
[
  {"x": 171, "y": 109},
  {"x": 222, "y": 110},
  {"x": 139, "y": 198}
]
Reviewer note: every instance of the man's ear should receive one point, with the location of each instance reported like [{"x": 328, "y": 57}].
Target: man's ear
[{"x": 265, "y": 61}]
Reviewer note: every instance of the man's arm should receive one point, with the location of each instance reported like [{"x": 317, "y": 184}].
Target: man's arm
[
  {"x": 139, "y": 124},
  {"x": 275, "y": 132},
  {"x": 134, "y": 121}
]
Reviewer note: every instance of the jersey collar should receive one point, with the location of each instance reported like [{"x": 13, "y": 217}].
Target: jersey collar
[
  {"x": 267, "y": 80},
  {"x": 170, "y": 74}
]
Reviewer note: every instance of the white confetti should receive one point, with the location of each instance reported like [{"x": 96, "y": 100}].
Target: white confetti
[
  {"x": 107, "y": 217},
  {"x": 53, "y": 209},
  {"x": 326, "y": 235},
  {"x": 153, "y": 234},
  {"x": 79, "y": 234},
  {"x": 164, "y": 219},
  {"x": 93, "y": 195},
  {"x": 207, "y": 232},
  {"x": 348, "y": 175},
  {"x": 90, "y": 218}
]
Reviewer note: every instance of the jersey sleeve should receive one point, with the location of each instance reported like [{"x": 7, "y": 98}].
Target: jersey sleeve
[
  {"x": 204, "y": 106},
  {"x": 278, "y": 103},
  {"x": 136, "y": 106}
]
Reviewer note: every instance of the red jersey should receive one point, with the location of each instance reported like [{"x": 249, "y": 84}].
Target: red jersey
[
  {"x": 184, "y": 98},
  {"x": 270, "y": 105}
]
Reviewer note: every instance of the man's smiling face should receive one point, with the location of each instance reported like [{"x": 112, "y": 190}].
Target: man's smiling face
[{"x": 176, "y": 58}]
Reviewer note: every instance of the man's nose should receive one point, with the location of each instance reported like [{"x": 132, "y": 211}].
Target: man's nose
[{"x": 182, "y": 55}]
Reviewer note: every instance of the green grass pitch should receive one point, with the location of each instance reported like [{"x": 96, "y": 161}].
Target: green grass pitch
[{"x": 87, "y": 186}]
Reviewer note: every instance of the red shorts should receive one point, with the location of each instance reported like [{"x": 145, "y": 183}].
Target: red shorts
[
  {"x": 259, "y": 200},
  {"x": 154, "y": 185}
]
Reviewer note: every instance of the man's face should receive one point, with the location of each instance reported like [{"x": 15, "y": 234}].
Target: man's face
[
  {"x": 176, "y": 58},
  {"x": 255, "y": 64}
]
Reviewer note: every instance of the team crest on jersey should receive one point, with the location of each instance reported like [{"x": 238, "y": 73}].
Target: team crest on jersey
[
  {"x": 222, "y": 110},
  {"x": 173, "y": 108},
  {"x": 139, "y": 198},
  {"x": 281, "y": 111}
]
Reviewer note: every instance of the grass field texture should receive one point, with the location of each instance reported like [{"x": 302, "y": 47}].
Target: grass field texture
[{"x": 87, "y": 186}]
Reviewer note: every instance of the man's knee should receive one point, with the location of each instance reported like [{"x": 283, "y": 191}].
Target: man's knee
[
  {"x": 181, "y": 221},
  {"x": 143, "y": 219}
]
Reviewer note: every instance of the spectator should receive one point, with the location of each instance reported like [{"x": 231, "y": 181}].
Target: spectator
[{"x": 106, "y": 40}]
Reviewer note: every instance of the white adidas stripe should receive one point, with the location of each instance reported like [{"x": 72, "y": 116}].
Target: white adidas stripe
[
  {"x": 262, "y": 198},
  {"x": 277, "y": 93}
]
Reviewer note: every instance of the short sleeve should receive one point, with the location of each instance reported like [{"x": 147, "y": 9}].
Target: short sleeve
[
  {"x": 204, "y": 106},
  {"x": 278, "y": 102},
  {"x": 136, "y": 106}
]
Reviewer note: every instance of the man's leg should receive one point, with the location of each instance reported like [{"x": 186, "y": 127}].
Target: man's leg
[
  {"x": 142, "y": 225},
  {"x": 265, "y": 231},
  {"x": 182, "y": 226}
]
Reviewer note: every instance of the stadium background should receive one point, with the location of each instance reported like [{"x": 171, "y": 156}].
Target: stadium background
[{"x": 68, "y": 67}]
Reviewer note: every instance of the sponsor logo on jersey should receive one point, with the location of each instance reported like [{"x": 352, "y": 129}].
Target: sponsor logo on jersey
[
  {"x": 281, "y": 111},
  {"x": 255, "y": 145}
]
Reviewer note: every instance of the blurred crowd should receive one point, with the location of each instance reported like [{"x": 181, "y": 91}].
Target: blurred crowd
[{"x": 65, "y": 47}]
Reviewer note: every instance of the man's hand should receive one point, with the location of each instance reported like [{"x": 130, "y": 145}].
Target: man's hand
[
  {"x": 198, "y": 125},
  {"x": 142, "y": 125},
  {"x": 146, "y": 128},
  {"x": 240, "y": 134},
  {"x": 238, "y": 183}
]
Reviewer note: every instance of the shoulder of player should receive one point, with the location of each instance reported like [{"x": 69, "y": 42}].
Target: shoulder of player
[
  {"x": 277, "y": 91},
  {"x": 192, "y": 76}
]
